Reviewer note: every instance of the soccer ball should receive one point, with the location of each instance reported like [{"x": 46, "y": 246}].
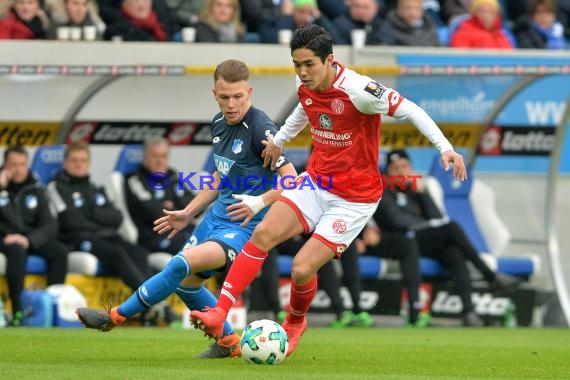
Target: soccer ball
[{"x": 264, "y": 342}]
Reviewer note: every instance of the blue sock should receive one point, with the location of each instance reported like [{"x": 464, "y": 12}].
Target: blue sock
[
  {"x": 197, "y": 299},
  {"x": 156, "y": 288}
]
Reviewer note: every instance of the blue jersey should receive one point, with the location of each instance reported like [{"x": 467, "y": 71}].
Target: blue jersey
[{"x": 237, "y": 155}]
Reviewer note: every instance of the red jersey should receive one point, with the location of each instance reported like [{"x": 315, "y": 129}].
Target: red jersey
[{"x": 345, "y": 127}]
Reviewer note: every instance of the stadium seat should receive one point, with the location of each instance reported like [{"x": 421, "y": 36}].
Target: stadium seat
[
  {"x": 371, "y": 268},
  {"x": 128, "y": 161},
  {"x": 34, "y": 265},
  {"x": 47, "y": 162},
  {"x": 471, "y": 203}
]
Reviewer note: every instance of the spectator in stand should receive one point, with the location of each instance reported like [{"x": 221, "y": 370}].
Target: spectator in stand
[
  {"x": 73, "y": 13},
  {"x": 483, "y": 28},
  {"x": 452, "y": 9},
  {"x": 26, "y": 226},
  {"x": 110, "y": 11},
  {"x": 147, "y": 204},
  {"x": 431, "y": 8},
  {"x": 540, "y": 29},
  {"x": 186, "y": 12},
  {"x": 138, "y": 21},
  {"x": 89, "y": 222},
  {"x": 362, "y": 14},
  {"x": 304, "y": 12},
  {"x": 4, "y": 9},
  {"x": 25, "y": 21},
  {"x": 220, "y": 22},
  {"x": 412, "y": 213},
  {"x": 333, "y": 8},
  {"x": 255, "y": 12},
  {"x": 564, "y": 16},
  {"x": 407, "y": 25}
]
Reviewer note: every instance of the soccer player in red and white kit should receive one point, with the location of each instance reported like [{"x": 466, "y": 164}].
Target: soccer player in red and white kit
[{"x": 343, "y": 109}]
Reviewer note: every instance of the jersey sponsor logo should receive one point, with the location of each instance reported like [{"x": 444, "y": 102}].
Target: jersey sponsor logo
[
  {"x": 337, "y": 106},
  {"x": 216, "y": 140},
  {"x": 376, "y": 89},
  {"x": 223, "y": 165},
  {"x": 325, "y": 121},
  {"x": 236, "y": 146},
  {"x": 331, "y": 135},
  {"x": 339, "y": 226}
]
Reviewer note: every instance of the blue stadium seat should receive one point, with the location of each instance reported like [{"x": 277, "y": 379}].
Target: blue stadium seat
[
  {"x": 371, "y": 268},
  {"x": 432, "y": 268},
  {"x": 47, "y": 162},
  {"x": 129, "y": 159},
  {"x": 443, "y": 34},
  {"x": 471, "y": 204},
  {"x": 36, "y": 265}
]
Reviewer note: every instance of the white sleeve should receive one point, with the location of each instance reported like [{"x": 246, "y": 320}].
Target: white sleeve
[
  {"x": 293, "y": 125},
  {"x": 411, "y": 111}
]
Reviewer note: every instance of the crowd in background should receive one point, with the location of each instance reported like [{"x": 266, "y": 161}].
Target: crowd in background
[{"x": 538, "y": 24}]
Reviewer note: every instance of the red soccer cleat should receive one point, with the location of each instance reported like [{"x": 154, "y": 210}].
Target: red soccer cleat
[
  {"x": 294, "y": 332},
  {"x": 211, "y": 321}
]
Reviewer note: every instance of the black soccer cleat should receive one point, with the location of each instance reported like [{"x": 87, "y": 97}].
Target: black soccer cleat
[
  {"x": 97, "y": 319},
  {"x": 226, "y": 347}
]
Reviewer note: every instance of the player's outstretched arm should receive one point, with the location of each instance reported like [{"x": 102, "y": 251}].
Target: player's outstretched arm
[
  {"x": 459, "y": 169},
  {"x": 411, "y": 111},
  {"x": 251, "y": 205},
  {"x": 177, "y": 220}
]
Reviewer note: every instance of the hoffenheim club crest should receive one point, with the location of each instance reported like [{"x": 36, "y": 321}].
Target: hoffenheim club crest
[{"x": 236, "y": 147}]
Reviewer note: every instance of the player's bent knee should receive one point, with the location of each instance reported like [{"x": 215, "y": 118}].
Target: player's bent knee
[
  {"x": 302, "y": 273},
  {"x": 265, "y": 236}
]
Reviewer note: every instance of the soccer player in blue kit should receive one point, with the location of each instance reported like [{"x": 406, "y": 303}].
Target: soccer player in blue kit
[{"x": 237, "y": 135}]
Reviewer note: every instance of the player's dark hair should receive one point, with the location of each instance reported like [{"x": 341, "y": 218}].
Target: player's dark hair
[
  {"x": 232, "y": 71},
  {"x": 75, "y": 147},
  {"x": 313, "y": 37},
  {"x": 14, "y": 149}
]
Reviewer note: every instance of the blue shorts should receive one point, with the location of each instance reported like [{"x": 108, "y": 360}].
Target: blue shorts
[{"x": 229, "y": 235}]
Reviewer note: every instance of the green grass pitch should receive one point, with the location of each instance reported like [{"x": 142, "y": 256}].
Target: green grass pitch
[{"x": 164, "y": 354}]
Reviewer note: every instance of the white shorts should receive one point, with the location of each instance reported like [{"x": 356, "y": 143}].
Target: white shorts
[{"x": 334, "y": 220}]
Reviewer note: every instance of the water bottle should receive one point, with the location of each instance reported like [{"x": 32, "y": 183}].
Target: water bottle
[
  {"x": 510, "y": 316},
  {"x": 2, "y": 314}
]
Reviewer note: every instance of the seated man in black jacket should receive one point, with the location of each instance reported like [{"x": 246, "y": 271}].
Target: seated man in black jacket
[
  {"x": 146, "y": 203},
  {"x": 26, "y": 225},
  {"x": 89, "y": 222},
  {"x": 411, "y": 223}
]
